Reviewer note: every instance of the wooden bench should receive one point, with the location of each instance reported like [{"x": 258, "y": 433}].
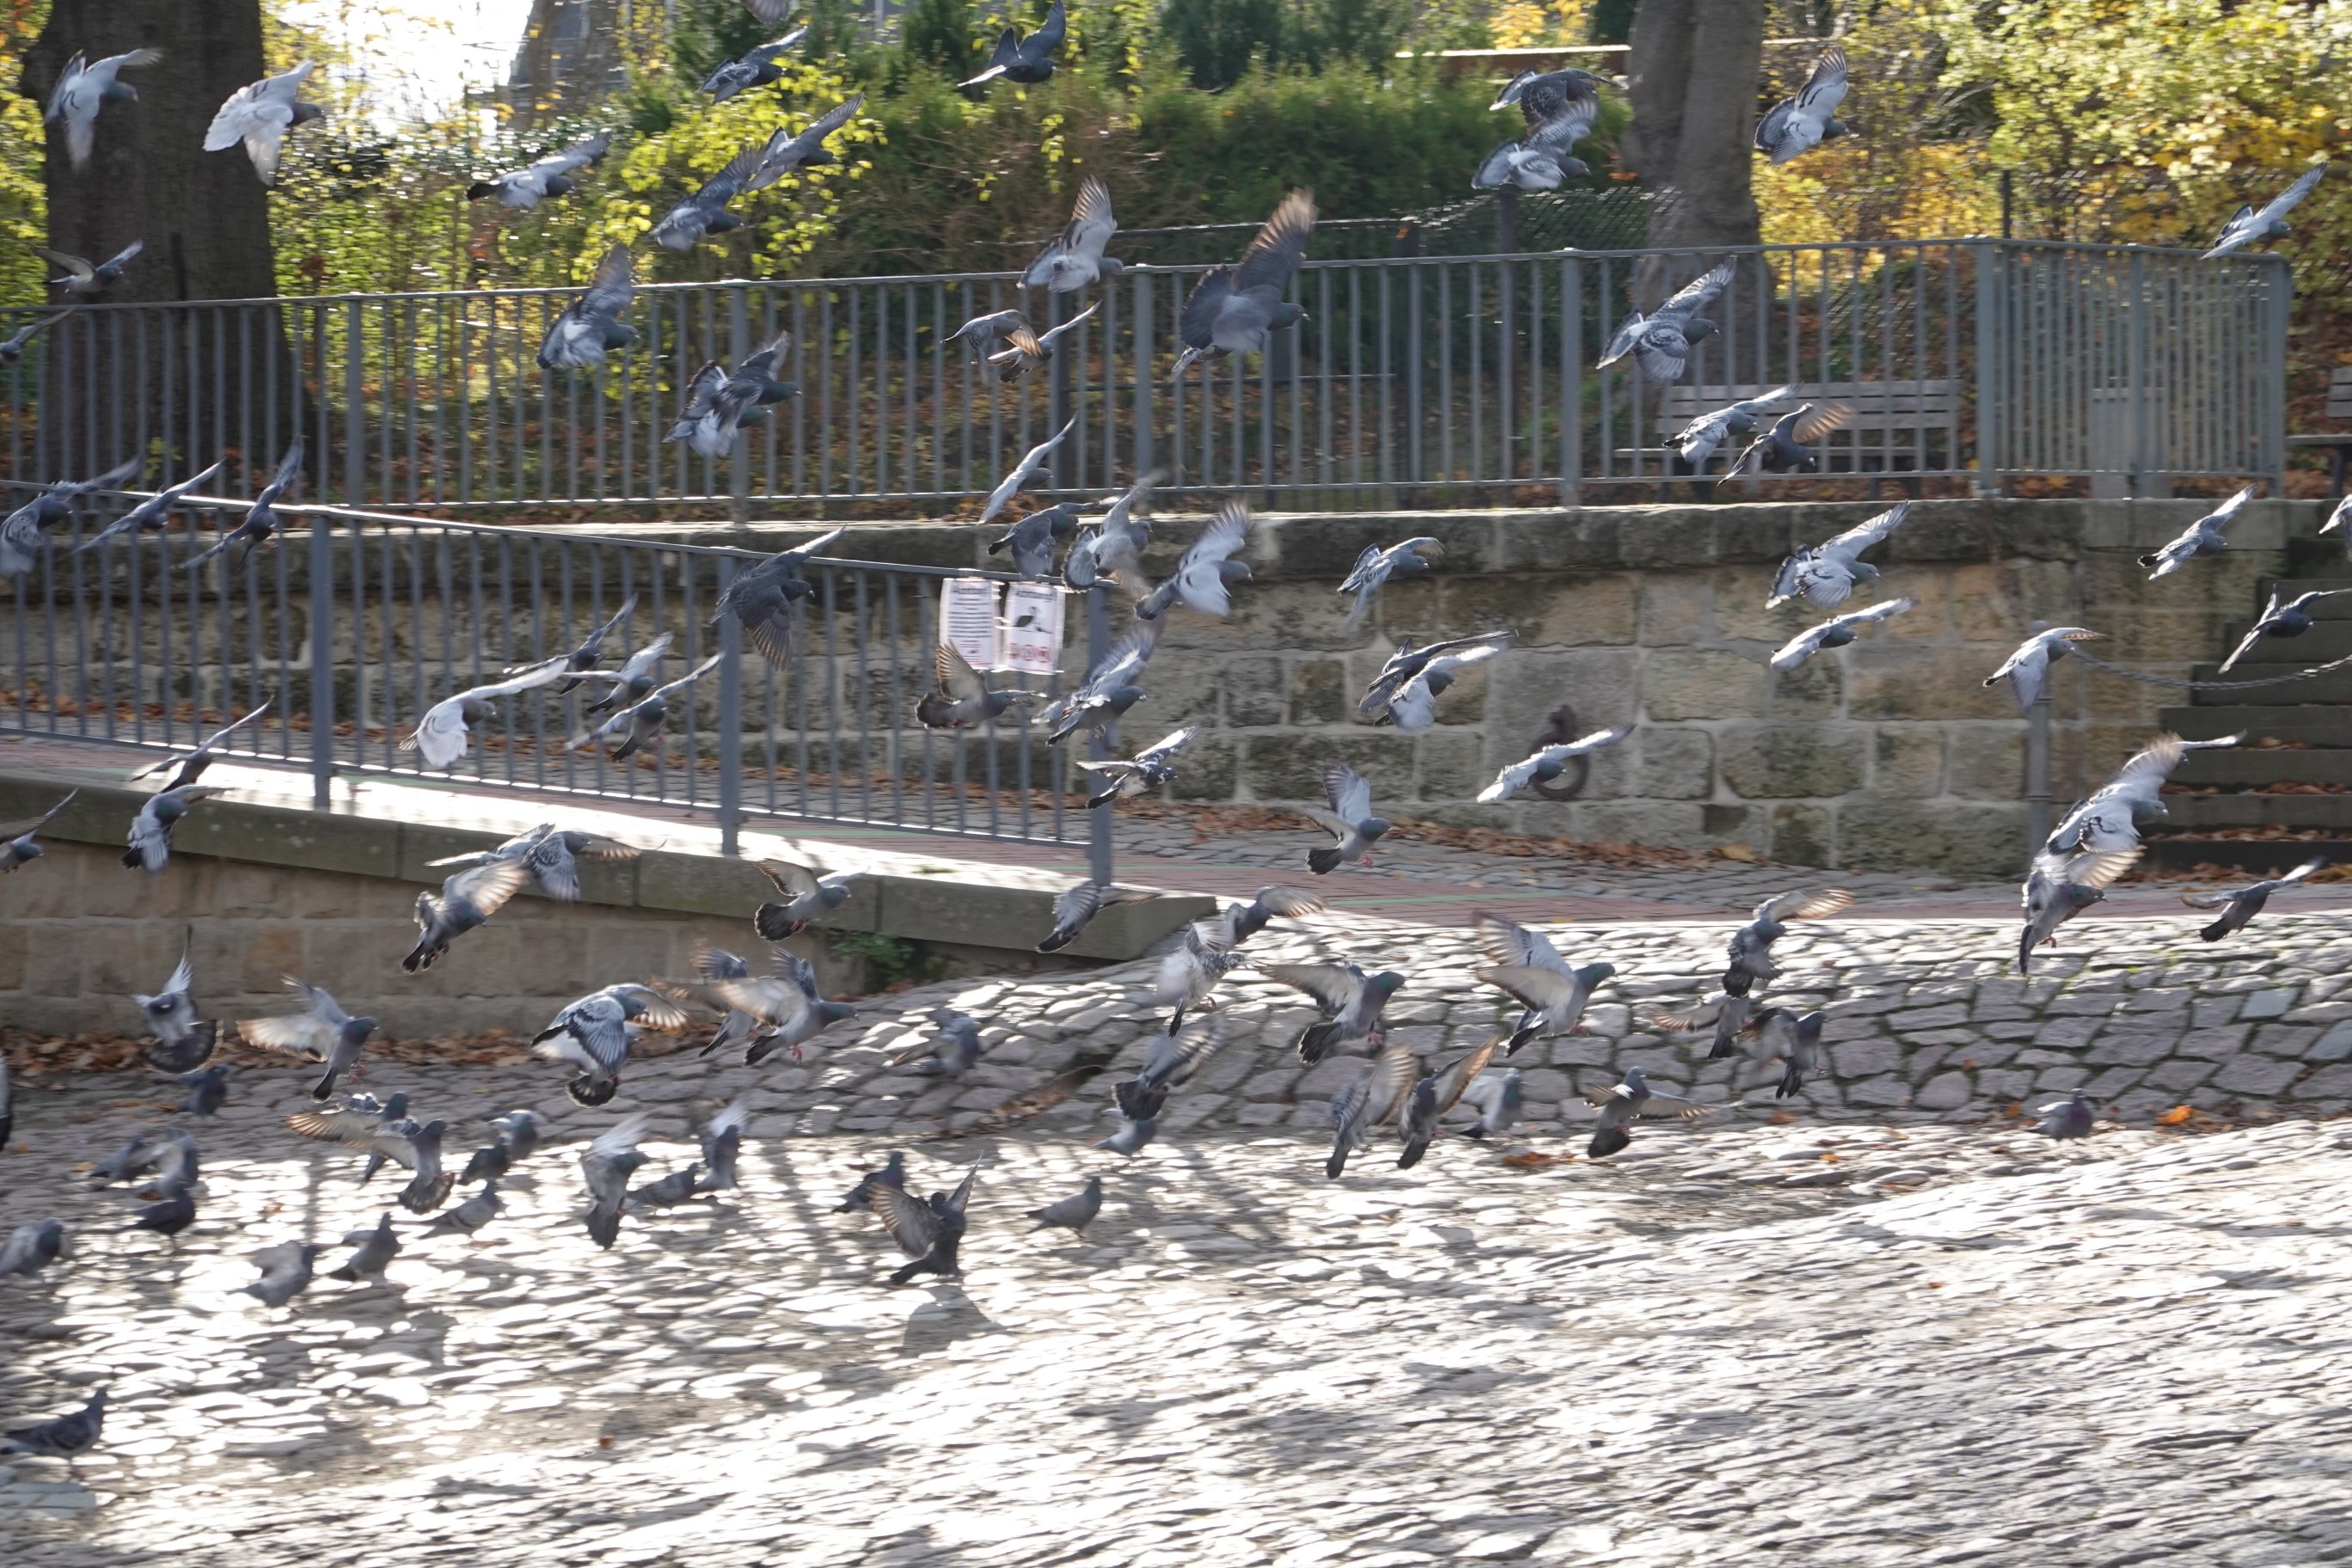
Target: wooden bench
[{"x": 2339, "y": 406}]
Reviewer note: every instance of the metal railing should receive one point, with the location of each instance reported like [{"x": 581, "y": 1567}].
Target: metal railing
[
  {"x": 122, "y": 643},
  {"x": 1415, "y": 381}
]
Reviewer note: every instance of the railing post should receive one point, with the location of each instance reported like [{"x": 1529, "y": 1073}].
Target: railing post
[
  {"x": 730, "y": 722},
  {"x": 1572, "y": 381},
  {"x": 1989, "y": 369},
  {"x": 2135, "y": 339},
  {"x": 2272, "y": 456},
  {"x": 1139, "y": 329},
  {"x": 739, "y": 471},
  {"x": 2038, "y": 799},
  {"x": 322, "y": 663},
  {"x": 354, "y": 408},
  {"x": 1099, "y": 867}
]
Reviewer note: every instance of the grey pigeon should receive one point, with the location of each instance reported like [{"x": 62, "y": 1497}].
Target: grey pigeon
[
  {"x": 1534, "y": 92},
  {"x": 2238, "y": 905},
  {"x": 760, "y": 597},
  {"x": 67, "y": 1437},
  {"x": 669, "y": 1191},
  {"x": 1660, "y": 341},
  {"x": 1206, "y": 574},
  {"x": 1026, "y": 60},
  {"x": 186, "y": 767},
  {"x": 641, "y": 723},
  {"x": 25, "y": 530},
  {"x": 444, "y": 732},
  {"x": 1407, "y": 688},
  {"x": 489, "y": 1162},
  {"x": 735, "y": 1028},
  {"x": 154, "y": 512},
  {"x": 720, "y": 402},
  {"x": 2209, "y": 535},
  {"x": 520, "y": 1131},
  {"x": 1785, "y": 446},
  {"x": 893, "y": 1173},
  {"x": 1113, "y": 548},
  {"x": 1075, "y": 258},
  {"x": 929, "y": 1231},
  {"x": 982, "y": 334},
  {"x": 789, "y": 151},
  {"x": 1075, "y": 1212},
  {"x": 2338, "y": 518},
  {"x": 1349, "y": 1000},
  {"x": 606, "y": 1165},
  {"x": 171, "y": 1153},
  {"x": 593, "y": 1033},
  {"x": 263, "y": 524},
  {"x": 1170, "y": 1062},
  {"x": 120, "y": 1166},
  {"x": 772, "y": 13},
  {"x": 1531, "y": 972},
  {"x": 1622, "y": 1103},
  {"x": 1697, "y": 442},
  {"x": 1026, "y": 351},
  {"x": 1750, "y": 949},
  {"x": 1546, "y": 764},
  {"x": 2028, "y": 670},
  {"x": 788, "y": 1002},
  {"x": 1234, "y": 310},
  {"x": 706, "y": 212},
  {"x": 362, "y": 1122},
  {"x": 2070, "y": 1118},
  {"x": 1077, "y": 906},
  {"x": 591, "y": 326},
  {"x": 1239, "y": 922},
  {"x": 260, "y": 115},
  {"x": 591, "y": 648},
  {"x": 755, "y": 67},
  {"x": 150, "y": 838},
  {"x": 1034, "y": 464},
  {"x": 33, "y": 1247},
  {"x": 1431, "y": 1097},
  {"x": 1131, "y": 1135},
  {"x": 1799, "y": 124},
  {"x": 17, "y": 845},
  {"x": 323, "y": 1033},
  {"x": 809, "y": 898},
  {"x": 722, "y": 1143},
  {"x": 1367, "y": 1102},
  {"x": 2282, "y": 617},
  {"x": 83, "y": 89},
  {"x": 1497, "y": 1097},
  {"x": 1560, "y": 111},
  {"x": 473, "y": 1213},
  {"x": 376, "y": 1249},
  {"x": 1825, "y": 577},
  {"x": 551, "y": 857},
  {"x": 951, "y": 1053},
  {"x": 1032, "y": 540},
  {"x": 631, "y": 683},
  {"x": 1147, "y": 770},
  {"x": 169, "y": 1214},
  {"x": 82, "y": 277},
  {"x": 2061, "y": 886},
  {"x": 285, "y": 1272},
  {"x": 1725, "y": 1015},
  {"x": 467, "y": 898},
  {"x": 428, "y": 1189},
  {"x": 2108, "y": 818},
  {"x": 1836, "y": 632},
  {"x": 962, "y": 700},
  {"x": 1794, "y": 1042},
  {"x": 1110, "y": 688},
  {"x": 12, "y": 348},
  {"x": 1353, "y": 827},
  {"x": 207, "y": 1089},
  {"x": 1189, "y": 974},
  {"x": 2247, "y": 225},
  {"x": 524, "y": 188}
]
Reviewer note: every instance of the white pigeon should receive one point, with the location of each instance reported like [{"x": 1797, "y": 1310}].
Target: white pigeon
[
  {"x": 260, "y": 115},
  {"x": 83, "y": 89},
  {"x": 442, "y": 735}
]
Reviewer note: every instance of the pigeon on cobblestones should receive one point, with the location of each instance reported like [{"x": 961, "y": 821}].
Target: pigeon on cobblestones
[
  {"x": 2061, "y": 886},
  {"x": 473, "y": 1213},
  {"x": 207, "y": 1089},
  {"x": 951, "y": 1053},
  {"x": 1497, "y": 1097},
  {"x": 809, "y": 898},
  {"x": 2028, "y": 670},
  {"x": 1072, "y": 1214},
  {"x": 187, "y": 767},
  {"x": 2209, "y": 535},
  {"x": 1547, "y": 763},
  {"x": 17, "y": 845},
  {"x": 551, "y": 856},
  {"x": 1826, "y": 575},
  {"x": 722, "y": 1144},
  {"x": 929, "y": 1231},
  {"x": 169, "y": 1214},
  {"x": 669, "y": 1191},
  {"x": 1353, "y": 827},
  {"x": 1076, "y": 906},
  {"x": 2282, "y": 617},
  {"x": 323, "y": 1033},
  {"x": 1836, "y": 632},
  {"x": 892, "y": 1175},
  {"x": 182, "y": 1042},
  {"x": 150, "y": 830},
  {"x": 1378, "y": 563},
  {"x": 2238, "y": 905},
  {"x": 1371, "y": 1100},
  {"x": 1239, "y": 922},
  {"x": 1621, "y": 1104},
  {"x": 285, "y": 1272},
  {"x": 515, "y": 1136},
  {"x": 1349, "y": 1000},
  {"x": 1130, "y": 1134},
  {"x": 2108, "y": 818},
  {"x": 33, "y": 1247},
  {"x": 1793, "y": 1041},
  {"x": 171, "y": 1153},
  {"x": 376, "y": 1249},
  {"x": 1170, "y": 1062},
  {"x": 2069, "y": 1118},
  {"x": 1188, "y": 975},
  {"x": 593, "y": 1033},
  {"x": 1750, "y": 949},
  {"x": 467, "y": 898},
  {"x": 428, "y": 1188},
  {"x": 1431, "y": 1097},
  {"x": 606, "y": 1165},
  {"x": 67, "y": 1437}
]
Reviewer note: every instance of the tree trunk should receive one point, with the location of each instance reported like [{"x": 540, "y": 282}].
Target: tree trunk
[
  {"x": 211, "y": 380},
  {"x": 1693, "y": 66}
]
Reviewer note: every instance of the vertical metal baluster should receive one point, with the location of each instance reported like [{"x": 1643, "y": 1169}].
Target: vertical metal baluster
[
  {"x": 891, "y": 581},
  {"x": 861, "y": 614},
  {"x": 831, "y": 692},
  {"x": 730, "y": 720}
]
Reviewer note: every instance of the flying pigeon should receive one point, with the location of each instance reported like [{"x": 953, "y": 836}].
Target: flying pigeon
[
  {"x": 982, "y": 334},
  {"x": 467, "y": 898},
  {"x": 962, "y": 700},
  {"x": 1113, "y": 548},
  {"x": 631, "y": 683},
  {"x": 154, "y": 512},
  {"x": 549, "y": 855},
  {"x": 1557, "y": 117},
  {"x": 1367, "y": 1102},
  {"x": 1794, "y": 1042},
  {"x": 442, "y": 735},
  {"x": 1836, "y": 632},
  {"x": 285, "y": 1272},
  {"x": 1378, "y": 563},
  {"x": 67, "y": 1437},
  {"x": 1077, "y": 908},
  {"x": 260, "y": 115},
  {"x": 591, "y": 326},
  {"x": 1076, "y": 258},
  {"x": 12, "y": 349},
  {"x": 150, "y": 830},
  {"x": 1206, "y": 574},
  {"x": 1622, "y": 1103},
  {"x": 2246, "y": 226},
  {"x": 787, "y": 1002},
  {"x": 810, "y": 899},
  {"x": 1660, "y": 341},
  {"x": 593, "y": 1033},
  {"x": 722, "y": 1144},
  {"x": 1785, "y": 446},
  {"x": 1825, "y": 577},
  {"x": 1029, "y": 60},
  {"x": 1353, "y": 827},
  {"x": 1799, "y": 124},
  {"x": 82, "y": 277},
  {"x": 2069, "y": 1118},
  {"x": 606, "y": 1164},
  {"x": 1697, "y": 442},
  {"x": 1233, "y": 309},
  {"x": 2238, "y": 905},
  {"x": 951, "y": 1053},
  {"x": 2282, "y": 617},
  {"x": 1546, "y": 764},
  {"x": 1239, "y": 922},
  {"x": 2207, "y": 536},
  {"x": 592, "y": 646},
  {"x": 187, "y": 767},
  {"x": 82, "y": 90},
  {"x": 2061, "y": 886},
  {"x": 892, "y": 1175},
  {"x": 760, "y": 597},
  {"x": 377, "y": 1246},
  {"x": 23, "y": 533},
  {"x": 720, "y": 402},
  {"x": 641, "y": 723},
  {"x": 17, "y": 845},
  {"x": 1497, "y": 1097},
  {"x": 1726, "y": 1014},
  {"x": 1530, "y": 971},
  {"x": 1032, "y": 540},
  {"x": 2028, "y": 668},
  {"x": 1146, "y": 770},
  {"x": 706, "y": 212},
  {"x": 1072, "y": 1214},
  {"x": 788, "y": 151},
  {"x": 928, "y": 1231},
  {"x": 1750, "y": 949},
  {"x": 33, "y": 1247},
  {"x": 262, "y": 523},
  {"x": 382, "y": 1128},
  {"x": 1026, "y": 351},
  {"x": 515, "y": 1136},
  {"x": 323, "y": 1033},
  {"x": 2107, "y": 819},
  {"x": 526, "y": 187},
  {"x": 1349, "y": 1000},
  {"x": 1406, "y": 690},
  {"x": 1032, "y": 464},
  {"x": 1130, "y": 1134},
  {"x": 1109, "y": 690},
  {"x": 1170, "y": 1062},
  {"x": 1189, "y": 974},
  {"x": 2335, "y": 518},
  {"x": 1431, "y": 1097},
  {"x": 755, "y": 67}
]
